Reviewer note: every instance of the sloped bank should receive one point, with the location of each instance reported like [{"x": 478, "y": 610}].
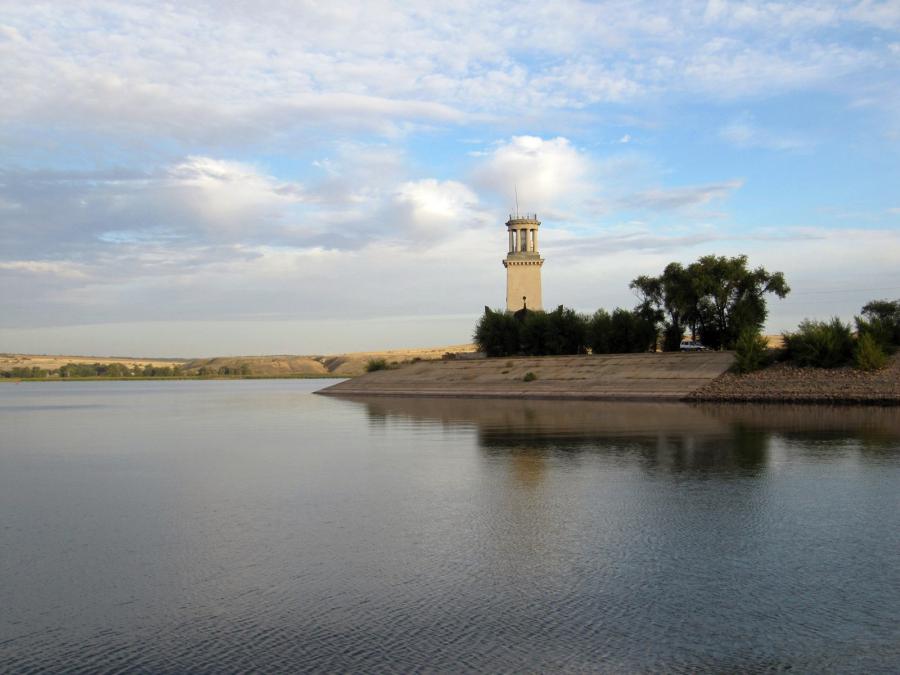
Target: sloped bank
[
  {"x": 783, "y": 382},
  {"x": 670, "y": 376}
]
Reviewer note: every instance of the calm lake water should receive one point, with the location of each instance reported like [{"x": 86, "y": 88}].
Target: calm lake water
[{"x": 250, "y": 525}]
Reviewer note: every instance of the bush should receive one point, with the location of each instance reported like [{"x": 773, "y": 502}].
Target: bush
[
  {"x": 535, "y": 333},
  {"x": 529, "y": 377},
  {"x": 630, "y": 332},
  {"x": 868, "y": 354},
  {"x": 751, "y": 352},
  {"x": 376, "y": 364},
  {"x": 881, "y": 320},
  {"x": 599, "y": 328},
  {"x": 820, "y": 344},
  {"x": 497, "y": 333}
]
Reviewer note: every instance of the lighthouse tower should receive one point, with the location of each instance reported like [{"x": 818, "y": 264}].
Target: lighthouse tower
[{"x": 523, "y": 263}]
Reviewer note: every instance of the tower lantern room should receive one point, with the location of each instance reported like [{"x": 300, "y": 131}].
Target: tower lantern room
[{"x": 523, "y": 263}]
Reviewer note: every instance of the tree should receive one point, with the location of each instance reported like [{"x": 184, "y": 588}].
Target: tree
[
  {"x": 716, "y": 296},
  {"x": 881, "y": 320},
  {"x": 598, "y": 331},
  {"x": 673, "y": 295},
  {"x": 497, "y": 333},
  {"x": 631, "y": 332},
  {"x": 731, "y": 297}
]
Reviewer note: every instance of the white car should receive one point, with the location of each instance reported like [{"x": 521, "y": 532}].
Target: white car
[{"x": 691, "y": 346}]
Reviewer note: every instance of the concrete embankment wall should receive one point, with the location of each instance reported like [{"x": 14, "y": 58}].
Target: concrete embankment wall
[{"x": 669, "y": 376}]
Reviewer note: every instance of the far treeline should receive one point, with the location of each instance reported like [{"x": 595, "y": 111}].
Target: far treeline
[
  {"x": 121, "y": 371},
  {"x": 718, "y": 300}
]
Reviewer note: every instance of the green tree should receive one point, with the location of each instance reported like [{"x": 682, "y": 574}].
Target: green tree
[
  {"x": 562, "y": 331},
  {"x": 732, "y": 297},
  {"x": 673, "y": 295},
  {"x": 497, "y": 333},
  {"x": 881, "y": 320},
  {"x": 598, "y": 331}
]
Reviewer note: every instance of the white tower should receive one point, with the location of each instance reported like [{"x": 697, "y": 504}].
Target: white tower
[{"x": 523, "y": 264}]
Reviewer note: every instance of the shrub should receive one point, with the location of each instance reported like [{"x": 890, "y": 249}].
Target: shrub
[
  {"x": 881, "y": 320},
  {"x": 376, "y": 364},
  {"x": 538, "y": 334},
  {"x": 820, "y": 344},
  {"x": 598, "y": 330},
  {"x": 529, "y": 377},
  {"x": 751, "y": 351},
  {"x": 497, "y": 333},
  {"x": 868, "y": 354}
]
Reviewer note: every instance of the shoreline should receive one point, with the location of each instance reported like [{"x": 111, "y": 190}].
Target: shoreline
[{"x": 652, "y": 377}]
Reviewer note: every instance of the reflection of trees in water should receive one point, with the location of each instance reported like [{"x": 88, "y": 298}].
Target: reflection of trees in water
[
  {"x": 744, "y": 450},
  {"x": 670, "y": 437}
]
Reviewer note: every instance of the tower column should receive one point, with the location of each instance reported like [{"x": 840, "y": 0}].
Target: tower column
[{"x": 523, "y": 264}]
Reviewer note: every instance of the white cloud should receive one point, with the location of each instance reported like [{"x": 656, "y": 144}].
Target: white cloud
[
  {"x": 681, "y": 197},
  {"x": 744, "y": 132},
  {"x": 547, "y": 173},
  {"x": 199, "y": 73},
  {"x": 229, "y": 195}
]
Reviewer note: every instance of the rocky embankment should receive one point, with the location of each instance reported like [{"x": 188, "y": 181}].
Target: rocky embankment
[{"x": 783, "y": 382}]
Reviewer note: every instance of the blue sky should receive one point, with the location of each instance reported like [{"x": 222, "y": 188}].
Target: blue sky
[{"x": 299, "y": 177}]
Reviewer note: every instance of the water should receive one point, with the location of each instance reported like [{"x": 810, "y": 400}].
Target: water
[{"x": 249, "y": 525}]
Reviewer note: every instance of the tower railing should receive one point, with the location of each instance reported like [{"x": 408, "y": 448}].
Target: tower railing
[{"x": 523, "y": 216}]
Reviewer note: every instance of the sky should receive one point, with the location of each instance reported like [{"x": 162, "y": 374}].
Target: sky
[{"x": 204, "y": 178}]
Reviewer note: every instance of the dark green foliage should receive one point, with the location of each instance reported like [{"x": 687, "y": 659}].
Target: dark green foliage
[
  {"x": 868, "y": 354},
  {"x": 598, "y": 332},
  {"x": 630, "y": 332},
  {"x": 716, "y": 297},
  {"x": 562, "y": 331},
  {"x": 376, "y": 364},
  {"x": 571, "y": 330},
  {"x": 497, "y": 333},
  {"x": 672, "y": 298},
  {"x": 622, "y": 332},
  {"x": 529, "y": 377},
  {"x": 536, "y": 335},
  {"x": 751, "y": 352},
  {"x": 881, "y": 320},
  {"x": 820, "y": 344}
]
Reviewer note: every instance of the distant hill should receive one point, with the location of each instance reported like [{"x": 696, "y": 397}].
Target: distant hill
[{"x": 335, "y": 365}]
